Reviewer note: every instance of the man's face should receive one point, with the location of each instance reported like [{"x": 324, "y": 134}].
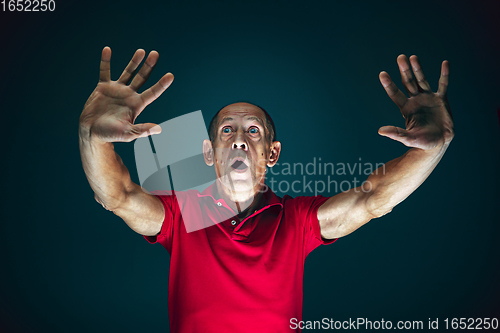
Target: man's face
[{"x": 242, "y": 150}]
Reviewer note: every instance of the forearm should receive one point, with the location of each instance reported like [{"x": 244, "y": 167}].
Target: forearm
[
  {"x": 397, "y": 179},
  {"x": 107, "y": 175}
]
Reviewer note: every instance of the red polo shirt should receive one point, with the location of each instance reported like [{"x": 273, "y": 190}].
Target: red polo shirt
[{"x": 237, "y": 276}]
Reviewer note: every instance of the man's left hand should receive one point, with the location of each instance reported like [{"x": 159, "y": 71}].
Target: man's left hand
[{"x": 428, "y": 117}]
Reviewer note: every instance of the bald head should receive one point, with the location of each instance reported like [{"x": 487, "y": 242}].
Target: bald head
[{"x": 243, "y": 108}]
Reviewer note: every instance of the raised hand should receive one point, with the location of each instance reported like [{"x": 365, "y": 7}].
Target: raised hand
[
  {"x": 113, "y": 106},
  {"x": 429, "y": 122}
]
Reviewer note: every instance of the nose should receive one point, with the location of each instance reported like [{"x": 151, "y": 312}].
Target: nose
[{"x": 239, "y": 143}]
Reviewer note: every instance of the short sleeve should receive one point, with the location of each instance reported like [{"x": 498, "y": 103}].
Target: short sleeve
[
  {"x": 169, "y": 203},
  {"x": 308, "y": 209}
]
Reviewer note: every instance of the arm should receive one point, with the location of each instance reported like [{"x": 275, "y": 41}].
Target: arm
[
  {"x": 429, "y": 131},
  {"x": 108, "y": 116}
]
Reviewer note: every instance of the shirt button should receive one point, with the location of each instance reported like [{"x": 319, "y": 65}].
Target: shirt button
[
  {"x": 219, "y": 204},
  {"x": 233, "y": 222}
]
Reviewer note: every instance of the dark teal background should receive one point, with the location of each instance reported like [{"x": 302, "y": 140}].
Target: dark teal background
[{"x": 70, "y": 266}]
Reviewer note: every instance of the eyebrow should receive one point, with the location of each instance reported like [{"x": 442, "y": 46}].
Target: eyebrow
[
  {"x": 257, "y": 119},
  {"x": 249, "y": 118},
  {"x": 226, "y": 119}
]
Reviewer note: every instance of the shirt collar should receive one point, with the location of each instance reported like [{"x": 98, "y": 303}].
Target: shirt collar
[{"x": 269, "y": 198}]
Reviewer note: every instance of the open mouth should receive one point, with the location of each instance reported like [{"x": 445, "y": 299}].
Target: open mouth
[{"x": 239, "y": 165}]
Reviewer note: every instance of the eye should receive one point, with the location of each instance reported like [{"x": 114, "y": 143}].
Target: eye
[
  {"x": 226, "y": 130},
  {"x": 253, "y": 130}
]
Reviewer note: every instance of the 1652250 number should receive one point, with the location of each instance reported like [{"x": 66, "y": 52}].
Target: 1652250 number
[{"x": 28, "y": 5}]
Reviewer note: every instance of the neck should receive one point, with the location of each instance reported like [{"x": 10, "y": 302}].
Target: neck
[
  {"x": 252, "y": 207},
  {"x": 242, "y": 207}
]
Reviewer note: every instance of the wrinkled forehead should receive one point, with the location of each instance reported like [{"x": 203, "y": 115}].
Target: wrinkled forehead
[{"x": 240, "y": 112}]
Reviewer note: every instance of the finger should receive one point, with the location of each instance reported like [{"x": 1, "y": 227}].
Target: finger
[
  {"x": 392, "y": 90},
  {"x": 145, "y": 71},
  {"x": 104, "y": 73},
  {"x": 419, "y": 74},
  {"x": 397, "y": 134},
  {"x": 155, "y": 91},
  {"x": 407, "y": 76},
  {"x": 443, "y": 80},
  {"x": 129, "y": 71},
  {"x": 146, "y": 129}
]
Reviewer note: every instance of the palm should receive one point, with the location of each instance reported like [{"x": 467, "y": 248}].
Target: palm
[
  {"x": 113, "y": 106},
  {"x": 428, "y": 118}
]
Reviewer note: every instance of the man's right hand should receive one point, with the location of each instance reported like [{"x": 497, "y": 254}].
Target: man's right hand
[
  {"x": 108, "y": 116},
  {"x": 113, "y": 106}
]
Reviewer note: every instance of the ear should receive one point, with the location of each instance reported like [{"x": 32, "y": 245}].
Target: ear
[
  {"x": 274, "y": 153},
  {"x": 208, "y": 152}
]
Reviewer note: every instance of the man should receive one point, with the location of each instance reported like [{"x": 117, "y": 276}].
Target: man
[{"x": 245, "y": 273}]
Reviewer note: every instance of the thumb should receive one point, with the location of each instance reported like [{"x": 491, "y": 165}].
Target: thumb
[
  {"x": 146, "y": 129},
  {"x": 395, "y": 133}
]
